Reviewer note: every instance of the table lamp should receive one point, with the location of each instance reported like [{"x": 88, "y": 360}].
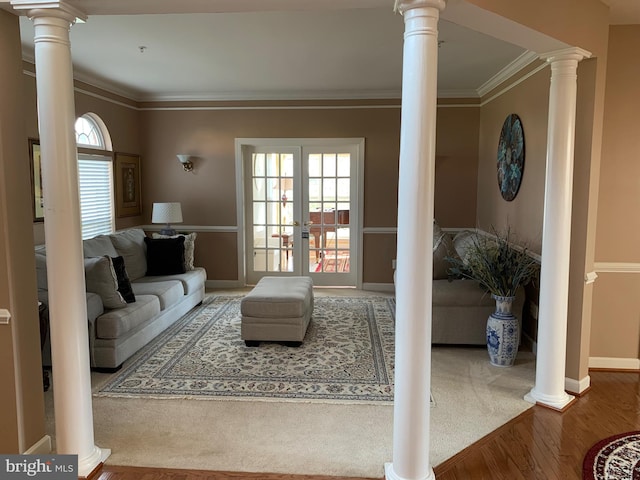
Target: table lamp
[{"x": 167, "y": 213}]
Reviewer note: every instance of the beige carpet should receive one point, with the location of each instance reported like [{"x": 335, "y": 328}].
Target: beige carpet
[{"x": 472, "y": 398}]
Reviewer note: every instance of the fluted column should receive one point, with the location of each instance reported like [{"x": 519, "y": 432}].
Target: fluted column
[
  {"x": 414, "y": 276},
  {"x": 65, "y": 266},
  {"x": 556, "y": 236}
]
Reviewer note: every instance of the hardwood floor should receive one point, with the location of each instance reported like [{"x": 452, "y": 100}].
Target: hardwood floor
[{"x": 540, "y": 444}]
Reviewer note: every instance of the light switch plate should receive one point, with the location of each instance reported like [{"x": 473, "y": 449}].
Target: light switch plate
[{"x": 4, "y": 316}]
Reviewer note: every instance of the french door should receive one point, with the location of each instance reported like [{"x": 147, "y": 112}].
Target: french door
[{"x": 301, "y": 215}]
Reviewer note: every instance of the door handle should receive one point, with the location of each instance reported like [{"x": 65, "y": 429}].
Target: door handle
[
  {"x": 296, "y": 223},
  {"x": 308, "y": 223}
]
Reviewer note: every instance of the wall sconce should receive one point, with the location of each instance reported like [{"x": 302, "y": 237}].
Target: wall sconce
[{"x": 186, "y": 163}]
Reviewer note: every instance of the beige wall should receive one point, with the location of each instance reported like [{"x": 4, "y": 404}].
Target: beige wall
[
  {"x": 208, "y": 194},
  {"x": 20, "y": 365},
  {"x": 457, "y": 137},
  {"x": 523, "y": 215},
  {"x": 616, "y": 311}
]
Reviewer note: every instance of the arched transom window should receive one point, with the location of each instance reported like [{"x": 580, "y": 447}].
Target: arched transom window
[{"x": 95, "y": 176}]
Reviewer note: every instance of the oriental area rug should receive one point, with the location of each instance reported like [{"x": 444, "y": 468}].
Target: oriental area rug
[
  {"x": 614, "y": 458},
  {"x": 346, "y": 357}
]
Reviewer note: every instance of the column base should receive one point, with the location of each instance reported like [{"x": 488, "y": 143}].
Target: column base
[
  {"x": 556, "y": 402},
  {"x": 86, "y": 466},
  {"x": 389, "y": 474}
]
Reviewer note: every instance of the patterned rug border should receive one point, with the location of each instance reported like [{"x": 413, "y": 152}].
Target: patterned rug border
[
  {"x": 602, "y": 451},
  {"x": 101, "y": 390}
]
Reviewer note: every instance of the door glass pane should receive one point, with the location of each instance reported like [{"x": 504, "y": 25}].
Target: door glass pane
[
  {"x": 273, "y": 213},
  {"x": 273, "y": 189},
  {"x": 259, "y": 213},
  {"x": 272, "y": 165},
  {"x": 259, "y": 188},
  {"x": 329, "y": 204},
  {"x": 329, "y": 193},
  {"x": 343, "y": 189},
  {"x": 344, "y": 165},
  {"x": 286, "y": 165},
  {"x": 329, "y": 165},
  {"x": 273, "y": 192},
  {"x": 315, "y": 165},
  {"x": 258, "y": 165},
  {"x": 315, "y": 190}
]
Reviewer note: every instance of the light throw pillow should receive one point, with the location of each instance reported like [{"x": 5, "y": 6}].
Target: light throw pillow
[
  {"x": 98, "y": 246},
  {"x": 101, "y": 278},
  {"x": 442, "y": 248},
  {"x": 124, "y": 284},
  {"x": 165, "y": 256},
  {"x": 189, "y": 247},
  {"x": 130, "y": 245},
  {"x": 462, "y": 242}
]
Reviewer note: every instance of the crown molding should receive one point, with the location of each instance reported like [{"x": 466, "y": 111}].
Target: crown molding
[
  {"x": 460, "y": 93},
  {"x": 265, "y": 95},
  {"x": 507, "y": 72}
]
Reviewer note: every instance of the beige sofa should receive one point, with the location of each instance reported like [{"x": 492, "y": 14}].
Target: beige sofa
[
  {"x": 136, "y": 288},
  {"x": 460, "y": 306}
]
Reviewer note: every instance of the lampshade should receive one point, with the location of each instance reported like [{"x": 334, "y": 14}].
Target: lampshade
[{"x": 167, "y": 213}]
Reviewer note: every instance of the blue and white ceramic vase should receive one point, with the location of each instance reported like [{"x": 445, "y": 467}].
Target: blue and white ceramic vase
[{"x": 503, "y": 333}]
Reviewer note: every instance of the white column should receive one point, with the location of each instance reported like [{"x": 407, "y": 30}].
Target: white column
[
  {"x": 556, "y": 237},
  {"x": 65, "y": 265},
  {"x": 414, "y": 276}
]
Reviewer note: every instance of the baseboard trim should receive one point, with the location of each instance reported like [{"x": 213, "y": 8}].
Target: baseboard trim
[
  {"x": 41, "y": 447},
  {"x": 614, "y": 363},
  {"x": 577, "y": 387},
  {"x": 379, "y": 287}
]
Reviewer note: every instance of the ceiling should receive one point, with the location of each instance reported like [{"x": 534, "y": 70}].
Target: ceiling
[{"x": 279, "y": 54}]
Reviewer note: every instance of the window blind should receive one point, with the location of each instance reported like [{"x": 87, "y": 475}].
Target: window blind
[{"x": 96, "y": 203}]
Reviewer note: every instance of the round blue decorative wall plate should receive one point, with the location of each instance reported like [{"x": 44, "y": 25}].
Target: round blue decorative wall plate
[{"x": 510, "y": 157}]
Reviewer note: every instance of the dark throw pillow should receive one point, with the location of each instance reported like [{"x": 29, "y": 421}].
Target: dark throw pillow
[
  {"x": 165, "y": 256},
  {"x": 124, "y": 284}
]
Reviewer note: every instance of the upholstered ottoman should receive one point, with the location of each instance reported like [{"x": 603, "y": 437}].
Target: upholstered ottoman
[{"x": 278, "y": 309}]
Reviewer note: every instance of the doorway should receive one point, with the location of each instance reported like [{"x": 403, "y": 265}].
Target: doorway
[{"x": 301, "y": 202}]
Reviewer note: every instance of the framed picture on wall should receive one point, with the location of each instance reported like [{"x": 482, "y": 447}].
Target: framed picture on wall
[
  {"x": 37, "y": 195},
  {"x": 127, "y": 185}
]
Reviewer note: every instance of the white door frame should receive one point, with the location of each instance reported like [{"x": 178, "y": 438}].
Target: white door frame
[{"x": 242, "y": 143}]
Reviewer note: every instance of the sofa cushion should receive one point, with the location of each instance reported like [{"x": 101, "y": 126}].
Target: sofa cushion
[
  {"x": 165, "y": 256},
  {"x": 124, "y": 284},
  {"x": 116, "y": 323},
  {"x": 95, "y": 307},
  {"x": 100, "y": 278},
  {"x": 192, "y": 281},
  {"x": 130, "y": 245},
  {"x": 460, "y": 292},
  {"x": 98, "y": 246},
  {"x": 169, "y": 292},
  {"x": 189, "y": 247}
]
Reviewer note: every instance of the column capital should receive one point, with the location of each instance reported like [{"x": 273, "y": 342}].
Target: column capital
[
  {"x": 53, "y": 8},
  {"x": 572, "y": 53},
  {"x": 405, "y": 5}
]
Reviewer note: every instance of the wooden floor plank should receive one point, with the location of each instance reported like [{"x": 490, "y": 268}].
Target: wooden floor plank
[{"x": 540, "y": 444}]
